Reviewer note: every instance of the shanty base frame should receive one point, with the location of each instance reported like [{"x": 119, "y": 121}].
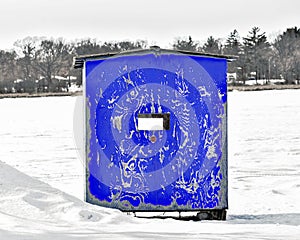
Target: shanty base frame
[
  {"x": 212, "y": 215},
  {"x": 215, "y": 214}
]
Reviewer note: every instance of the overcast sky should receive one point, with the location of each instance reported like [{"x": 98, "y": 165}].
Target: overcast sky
[{"x": 157, "y": 21}]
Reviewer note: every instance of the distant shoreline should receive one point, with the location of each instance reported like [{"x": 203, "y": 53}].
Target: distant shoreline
[
  {"x": 79, "y": 93},
  {"x": 263, "y": 87},
  {"x": 50, "y": 94}
]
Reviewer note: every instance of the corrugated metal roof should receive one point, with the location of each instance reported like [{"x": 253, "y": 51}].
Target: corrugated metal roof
[{"x": 79, "y": 60}]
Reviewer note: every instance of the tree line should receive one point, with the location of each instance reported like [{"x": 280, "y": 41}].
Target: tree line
[
  {"x": 35, "y": 62},
  {"x": 256, "y": 57}
]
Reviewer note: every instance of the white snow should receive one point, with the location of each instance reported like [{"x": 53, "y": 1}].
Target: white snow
[
  {"x": 264, "y": 81},
  {"x": 41, "y": 175},
  {"x": 75, "y": 88}
]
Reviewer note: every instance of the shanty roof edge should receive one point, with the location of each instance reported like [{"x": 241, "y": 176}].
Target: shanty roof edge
[{"x": 79, "y": 60}]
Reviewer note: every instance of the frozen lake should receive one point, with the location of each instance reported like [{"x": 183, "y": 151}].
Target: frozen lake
[{"x": 37, "y": 138}]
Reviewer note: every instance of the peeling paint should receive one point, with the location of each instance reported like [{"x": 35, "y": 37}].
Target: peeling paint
[
  {"x": 186, "y": 167},
  {"x": 117, "y": 122}
]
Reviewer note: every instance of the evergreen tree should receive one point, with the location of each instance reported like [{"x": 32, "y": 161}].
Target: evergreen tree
[
  {"x": 233, "y": 47},
  {"x": 87, "y": 46},
  {"x": 185, "y": 44},
  {"x": 256, "y": 52},
  {"x": 212, "y": 45}
]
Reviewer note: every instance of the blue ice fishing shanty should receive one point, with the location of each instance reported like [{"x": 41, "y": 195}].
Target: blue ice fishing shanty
[{"x": 156, "y": 131}]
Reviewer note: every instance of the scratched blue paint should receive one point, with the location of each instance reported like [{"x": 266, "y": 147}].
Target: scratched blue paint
[{"x": 187, "y": 165}]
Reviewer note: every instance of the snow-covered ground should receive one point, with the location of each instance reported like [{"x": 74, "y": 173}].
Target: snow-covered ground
[
  {"x": 264, "y": 81},
  {"x": 41, "y": 175}
]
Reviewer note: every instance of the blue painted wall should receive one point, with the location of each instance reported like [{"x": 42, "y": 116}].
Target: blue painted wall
[{"x": 186, "y": 167}]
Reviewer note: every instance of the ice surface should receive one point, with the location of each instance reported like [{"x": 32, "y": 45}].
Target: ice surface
[
  {"x": 36, "y": 137},
  {"x": 41, "y": 175}
]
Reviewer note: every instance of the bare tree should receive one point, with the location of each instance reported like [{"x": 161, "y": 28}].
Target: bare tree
[
  {"x": 7, "y": 65},
  {"x": 26, "y": 50},
  {"x": 53, "y": 58},
  {"x": 287, "y": 50},
  {"x": 128, "y": 45}
]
